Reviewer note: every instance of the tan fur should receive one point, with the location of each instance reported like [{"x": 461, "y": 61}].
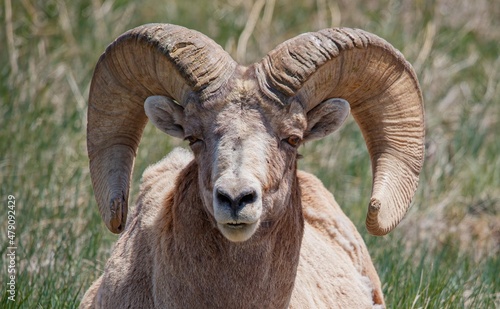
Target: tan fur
[
  {"x": 171, "y": 255},
  {"x": 235, "y": 225},
  {"x": 335, "y": 269}
]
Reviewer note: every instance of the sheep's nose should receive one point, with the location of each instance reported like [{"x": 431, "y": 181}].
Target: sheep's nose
[{"x": 236, "y": 201}]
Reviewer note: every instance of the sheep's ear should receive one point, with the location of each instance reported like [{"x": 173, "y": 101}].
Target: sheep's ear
[
  {"x": 165, "y": 114},
  {"x": 326, "y": 118}
]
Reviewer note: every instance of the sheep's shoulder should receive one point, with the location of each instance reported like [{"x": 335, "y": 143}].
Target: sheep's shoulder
[
  {"x": 334, "y": 267},
  {"x": 158, "y": 180},
  {"x": 325, "y": 217},
  {"x": 320, "y": 208},
  {"x": 126, "y": 281},
  {"x": 169, "y": 166}
]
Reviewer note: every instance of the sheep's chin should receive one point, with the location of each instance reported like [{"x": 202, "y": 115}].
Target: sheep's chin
[{"x": 238, "y": 232}]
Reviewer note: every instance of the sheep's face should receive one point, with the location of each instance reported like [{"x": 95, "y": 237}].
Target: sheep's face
[
  {"x": 246, "y": 150},
  {"x": 247, "y": 159}
]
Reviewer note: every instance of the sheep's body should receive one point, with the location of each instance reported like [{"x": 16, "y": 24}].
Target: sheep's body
[
  {"x": 235, "y": 225},
  {"x": 167, "y": 258}
]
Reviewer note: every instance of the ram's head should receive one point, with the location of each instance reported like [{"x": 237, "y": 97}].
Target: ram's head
[{"x": 244, "y": 123}]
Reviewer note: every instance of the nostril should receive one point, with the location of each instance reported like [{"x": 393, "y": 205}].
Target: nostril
[
  {"x": 223, "y": 198},
  {"x": 247, "y": 198}
]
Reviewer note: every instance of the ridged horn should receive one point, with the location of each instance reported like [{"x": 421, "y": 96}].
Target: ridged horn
[
  {"x": 155, "y": 59},
  {"x": 385, "y": 98}
]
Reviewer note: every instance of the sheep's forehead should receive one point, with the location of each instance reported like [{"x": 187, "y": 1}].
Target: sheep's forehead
[{"x": 243, "y": 107}]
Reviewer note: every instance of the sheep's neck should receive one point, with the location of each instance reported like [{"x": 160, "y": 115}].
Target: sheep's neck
[{"x": 211, "y": 271}]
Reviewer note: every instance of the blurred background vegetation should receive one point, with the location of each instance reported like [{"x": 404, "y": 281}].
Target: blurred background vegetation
[{"x": 445, "y": 254}]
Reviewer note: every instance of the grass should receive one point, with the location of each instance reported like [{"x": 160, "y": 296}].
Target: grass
[{"x": 445, "y": 254}]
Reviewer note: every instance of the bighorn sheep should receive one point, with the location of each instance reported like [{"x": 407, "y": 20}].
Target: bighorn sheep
[{"x": 235, "y": 224}]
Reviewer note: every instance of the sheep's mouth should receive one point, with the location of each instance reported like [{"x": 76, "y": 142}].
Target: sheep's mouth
[
  {"x": 236, "y": 225},
  {"x": 238, "y": 231}
]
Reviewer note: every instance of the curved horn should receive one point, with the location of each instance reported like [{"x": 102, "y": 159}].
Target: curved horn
[
  {"x": 385, "y": 100},
  {"x": 155, "y": 59}
]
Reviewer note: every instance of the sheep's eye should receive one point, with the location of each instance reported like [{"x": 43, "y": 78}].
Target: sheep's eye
[
  {"x": 191, "y": 139},
  {"x": 293, "y": 140}
]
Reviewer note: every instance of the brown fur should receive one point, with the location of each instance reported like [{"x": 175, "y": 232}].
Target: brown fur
[
  {"x": 236, "y": 225},
  {"x": 171, "y": 255}
]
